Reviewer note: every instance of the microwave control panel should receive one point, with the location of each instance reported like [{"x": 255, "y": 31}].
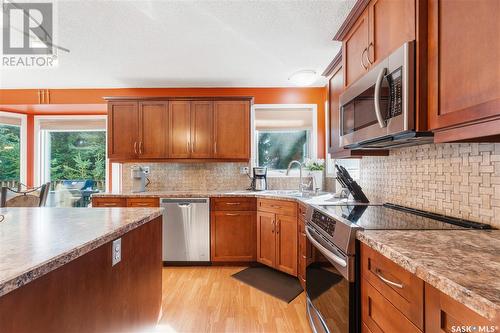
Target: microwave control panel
[{"x": 395, "y": 80}]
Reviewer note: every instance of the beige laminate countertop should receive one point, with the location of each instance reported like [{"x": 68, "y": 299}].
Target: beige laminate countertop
[
  {"x": 463, "y": 264},
  {"x": 35, "y": 241}
]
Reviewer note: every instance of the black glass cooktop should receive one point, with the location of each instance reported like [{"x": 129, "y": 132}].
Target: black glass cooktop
[{"x": 394, "y": 217}]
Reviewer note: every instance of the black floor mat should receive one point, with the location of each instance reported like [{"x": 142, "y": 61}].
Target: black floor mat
[{"x": 270, "y": 281}]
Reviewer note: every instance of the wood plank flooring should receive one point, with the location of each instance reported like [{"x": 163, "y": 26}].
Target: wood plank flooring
[{"x": 208, "y": 299}]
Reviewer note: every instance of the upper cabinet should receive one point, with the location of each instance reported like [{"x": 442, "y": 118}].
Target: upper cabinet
[
  {"x": 232, "y": 129},
  {"x": 464, "y": 69},
  {"x": 179, "y": 128},
  {"x": 382, "y": 27}
]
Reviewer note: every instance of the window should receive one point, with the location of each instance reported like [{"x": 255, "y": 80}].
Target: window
[
  {"x": 284, "y": 133},
  {"x": 72, "y": 156},
  {"x": 12, "y": 150}
]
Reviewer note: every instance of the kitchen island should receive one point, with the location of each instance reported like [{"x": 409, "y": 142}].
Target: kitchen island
[{"x": 57, "y": 272}]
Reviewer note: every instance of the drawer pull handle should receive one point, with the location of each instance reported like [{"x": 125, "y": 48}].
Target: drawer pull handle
[
  {"x": 142, "y": 204},
  {"x": 232, "y": 203},
  {"x": 109, "y": 204},
  {"x": 389, "y": 282},
  {"x": 229, "y": 214}
]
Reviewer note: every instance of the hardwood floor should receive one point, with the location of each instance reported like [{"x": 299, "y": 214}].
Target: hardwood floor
[{"x": 208, "y": 299}]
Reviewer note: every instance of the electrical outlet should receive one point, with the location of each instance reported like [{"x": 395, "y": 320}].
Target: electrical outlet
[
  {"x": 146, "y": 169},
  {"x": 116, "y": 251},
  {"x": 244, "y": 170}
]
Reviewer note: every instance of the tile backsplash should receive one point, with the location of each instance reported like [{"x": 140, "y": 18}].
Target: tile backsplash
[
  {"x": 201, "y": 177},
  {"x": 460, "y": 180}
]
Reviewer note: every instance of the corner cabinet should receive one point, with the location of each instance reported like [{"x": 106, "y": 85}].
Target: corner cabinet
[
  {"x": 464, "y": 69},
  {"x": 173, "y": 128}
]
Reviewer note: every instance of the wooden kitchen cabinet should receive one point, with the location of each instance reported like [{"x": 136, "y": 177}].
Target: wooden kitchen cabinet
[
  {"x": 125, "y": 202},
  {"x": 266, "y": 238},
  {"x": 277, "y": 235},
  {"x": 180, "y": 129},
  {"x": 305, "y": 250},
  {"x": 108, "y": 202},
  {"x": 232, "y": 130},
  {"x": 233, "y": 229},
  {"x": 463, "y": 69},
  {"x": 153, "y": 129},
  {"x": 143, "y": 202},
  {"x": 355, "y": 47},
  {"x": 202, "y": 129},
  {"x": 442, "y": 313},
  {"x": 123, "y": 129}
]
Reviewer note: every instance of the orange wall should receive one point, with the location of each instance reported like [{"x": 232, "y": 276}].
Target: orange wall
[{"x": 90, "y": 101}]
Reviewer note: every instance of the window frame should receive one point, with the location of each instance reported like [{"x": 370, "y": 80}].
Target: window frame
[
  {"x": 23, "y": 133},
  {"x": 313, "y": 134},
  {"x": 42, "y": 173}
]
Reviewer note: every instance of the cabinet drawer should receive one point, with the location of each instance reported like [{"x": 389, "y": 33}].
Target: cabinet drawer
[
  {"x": 277, "y": 206},
  {"x": 108, "y": 202},
  {"x": 143, "y": 202},
  {"x": 402, "y": 288},
  {"x": 380, "y": 315},
  {"x": 233, "y": 203}
]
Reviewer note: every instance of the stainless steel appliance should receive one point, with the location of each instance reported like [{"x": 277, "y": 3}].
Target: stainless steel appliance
[
  {"x": 259, "y": 180},
  {"x": 138, "y": 179},
  {"x": 332, "y": 284},
  {"x": 186, "y": 230},
  {"x": 378, "y": 110}
]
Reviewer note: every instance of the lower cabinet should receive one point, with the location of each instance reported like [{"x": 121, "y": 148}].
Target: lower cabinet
[
  {"x": 393, "y": 300},
  {"x": 125, "y": 202},
  {"x": 233, "y": 236},
  {"x": 277, "y": 235}
]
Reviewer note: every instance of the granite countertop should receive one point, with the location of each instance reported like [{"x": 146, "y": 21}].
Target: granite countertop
[
  {"x": 35, "y": 241},
  {"x": 464, "y": 264}
]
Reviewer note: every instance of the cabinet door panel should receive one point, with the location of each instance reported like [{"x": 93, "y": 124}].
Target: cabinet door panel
[
  {"x": 123, "y": 129},
  {"x": 202, "y": 145},
  {"x": 232, "y": 129},
  {"x": 353, "y": 47},
  {"x": 463, "y": 64},
  {"x": 180, "y": 129},
  {"x": 233, "y": 236},
  {"x": 153, "y": 129},
  {"x": 266, "y": 240},
  {"x": 392, "y": 23},
  {"x": 286, "y": 244}
]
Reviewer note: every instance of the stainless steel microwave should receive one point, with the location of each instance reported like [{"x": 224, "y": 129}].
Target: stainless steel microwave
[{"x": 378, "y": 110}]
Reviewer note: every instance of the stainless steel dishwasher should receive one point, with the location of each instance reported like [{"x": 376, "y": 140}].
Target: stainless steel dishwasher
[{"x": 186, "y": 230}]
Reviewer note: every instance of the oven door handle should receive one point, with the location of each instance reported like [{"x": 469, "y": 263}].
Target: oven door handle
[
  {"x": 309, "y": 315},
  {"x": 378, "y": 112},
  {"x": 327, "y": 253}
]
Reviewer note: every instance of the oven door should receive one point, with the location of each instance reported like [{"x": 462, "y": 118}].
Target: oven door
[{"x": 331, "y": 297}]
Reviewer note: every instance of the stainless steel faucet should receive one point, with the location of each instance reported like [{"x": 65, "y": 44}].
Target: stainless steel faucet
[{"x": 301, "y": 185}]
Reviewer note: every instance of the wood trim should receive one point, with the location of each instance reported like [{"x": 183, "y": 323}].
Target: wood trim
[
  {"x": 332, "y": 66},
  {"x": 178, "y": 98},
  {"x": 351, "y": 19},
  {"x": 489, "y": 127},
  {"x": 421, "y": 72}
]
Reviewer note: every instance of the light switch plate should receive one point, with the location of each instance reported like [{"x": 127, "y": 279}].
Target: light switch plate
[
  {"x": 116, "y": 251},
  {"x": 146, "y": 169},
  {"x": 244, "y": 170}
]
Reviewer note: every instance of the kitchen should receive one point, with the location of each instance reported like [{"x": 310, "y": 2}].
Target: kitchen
[{"x": 351, "y": 185}]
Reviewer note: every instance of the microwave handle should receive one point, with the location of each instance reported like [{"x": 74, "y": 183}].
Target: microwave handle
[{"x": 378, "y": 84}]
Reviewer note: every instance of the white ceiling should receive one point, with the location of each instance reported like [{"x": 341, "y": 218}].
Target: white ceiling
[{"x": 187, "y": 43}]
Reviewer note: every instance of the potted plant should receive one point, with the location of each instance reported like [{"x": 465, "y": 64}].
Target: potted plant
[{"x": 316, "y": 168}]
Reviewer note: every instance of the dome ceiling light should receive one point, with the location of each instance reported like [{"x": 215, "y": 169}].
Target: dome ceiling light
[{"x": 303, "y": 78}]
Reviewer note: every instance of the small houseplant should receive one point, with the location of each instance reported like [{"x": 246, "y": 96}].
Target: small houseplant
[{"x": 316, "y": 168}]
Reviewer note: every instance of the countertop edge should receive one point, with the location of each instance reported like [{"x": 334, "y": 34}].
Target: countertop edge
[
  {"x": 40, "y": 270},
  {"x": 459, "y": 293}
]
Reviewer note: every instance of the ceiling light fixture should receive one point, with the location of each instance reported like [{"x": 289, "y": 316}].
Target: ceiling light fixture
[{"x": 303, "y": 78}]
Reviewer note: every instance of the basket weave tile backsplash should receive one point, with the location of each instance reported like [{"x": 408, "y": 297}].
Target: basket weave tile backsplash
[
  {"x": 460, "y": 180},
  {"x": 201, "y": 177}
]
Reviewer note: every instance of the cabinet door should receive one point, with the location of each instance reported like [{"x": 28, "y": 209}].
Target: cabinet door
[
  {"x": 464, "y": 67},
  {"x": 123, "y": 129},
  {"x": 286, "y": 244},
  {"x": 355, "y": 51},
  {"x": 444, "y": 315},
  {"x": 232, "y": 129},
  {"x": 233, "y": 236},
  {"x": 202, "y": 144},
  {"x": 392, "y": 23},
  {"x": 153, "y": 129},
  {"x": 266, "y": 240},
  {"x": 179, "y": 129}
]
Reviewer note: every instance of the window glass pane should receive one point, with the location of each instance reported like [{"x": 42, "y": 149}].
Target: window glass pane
[
  {"x": 277, "y": 149},
  {"x": 10, "y": 154},
  {"x": 77, "y": 166}
]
